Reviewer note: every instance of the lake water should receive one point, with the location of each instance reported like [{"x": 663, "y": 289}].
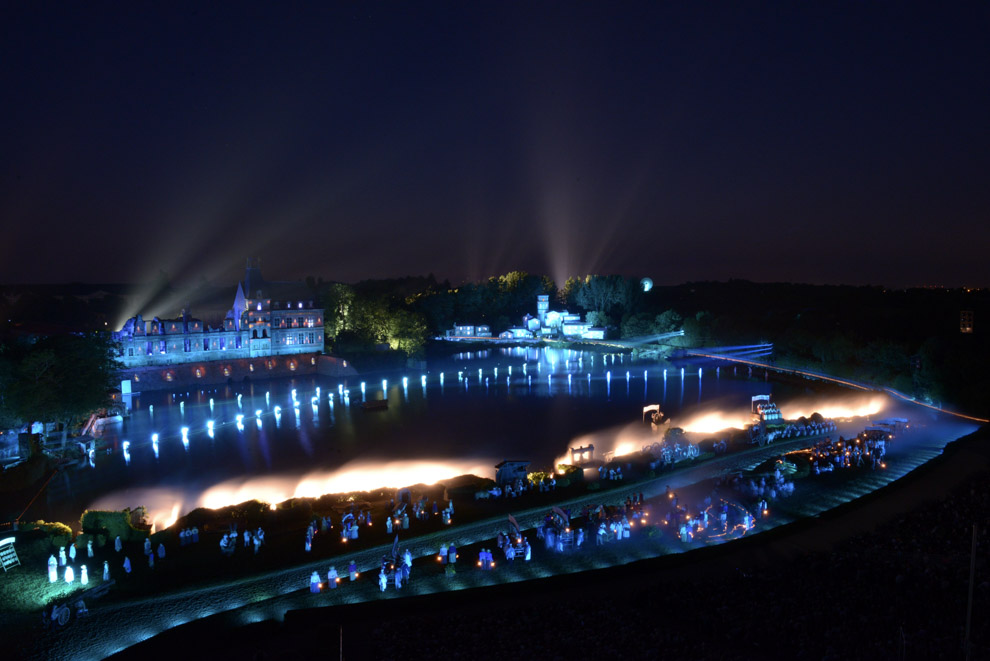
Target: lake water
[{"x": 529, "y": 404}]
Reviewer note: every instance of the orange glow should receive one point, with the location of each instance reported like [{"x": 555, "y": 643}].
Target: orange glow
[
  {"x": 165, "y": 505},
  {"x": 714, "y": 421}
]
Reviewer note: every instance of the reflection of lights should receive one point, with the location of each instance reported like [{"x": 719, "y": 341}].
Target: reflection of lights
[
  {"x": 185, "y": 437},
  {"x": 268, "y": 397},
  {"x": 209, "y": 428},
  {"x": 127, "y": 452},
  {"x": 385, "y": 385},
  {"x": 405, "y": 381},
  {"x": 211, "y": 404},
  {"x": 608, "y": 376},
  {"x": 240, "y": 422}
]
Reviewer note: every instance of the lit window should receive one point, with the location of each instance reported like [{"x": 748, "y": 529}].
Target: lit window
[
  {"x": 259, "y": 307},
  {"x": 300, "y": 305}
]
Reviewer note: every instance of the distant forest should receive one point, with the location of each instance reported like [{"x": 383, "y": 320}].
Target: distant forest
[{"x": 907, "y": 339}]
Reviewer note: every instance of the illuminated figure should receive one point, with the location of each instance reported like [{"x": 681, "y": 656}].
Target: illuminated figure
[
  {"x": 83, "y": 576},
  {"x": 147, "y": 546},
  {"x": 352, "y": 571},
  {"x": 382, "y": 580},
  {"x": 407, "y": 558},
  {"x": 443, "y": 554},
  {"x": 161, "y": 551},
  {"x": 388, "y": 524},
  {"x": 398, "y": 579},
  {"x": 52, "y": 569},
  {"x": 106, "y": 570},
  {"x": 151, "y": 561},
  {"x": 314, "y": 582},
  {"x": 70, "y": 575},
  {"x": 89, "y": 548},
  {"x": 72, "y": 553},
  {"x": 127, "y": 565},
  {"x": 332, "y": 579},
  {"x": 528, "y": 550},
  {"x": 405, "y": 521},
  {"x": 61, "y": 557},
  {"x": 451, "y": 554}
]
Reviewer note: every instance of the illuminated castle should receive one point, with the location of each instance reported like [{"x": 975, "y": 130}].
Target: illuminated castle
[{"x": 267, "y": 319}]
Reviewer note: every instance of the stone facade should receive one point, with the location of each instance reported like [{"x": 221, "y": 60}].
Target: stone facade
[{"x": 268, "y": 319}]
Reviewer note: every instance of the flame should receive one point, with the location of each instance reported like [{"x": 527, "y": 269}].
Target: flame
[
  {"x": 713, "y": 421},
  {"x": 165, "y": 505},
  {"x": 856, "y": 407}
]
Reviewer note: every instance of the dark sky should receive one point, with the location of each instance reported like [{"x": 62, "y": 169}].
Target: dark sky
[{"x": 840, "y": 142}]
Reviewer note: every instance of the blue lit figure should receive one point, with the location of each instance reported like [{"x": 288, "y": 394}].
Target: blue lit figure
[
  {"x": 293, "y": 394},
  {"x": 385, "y": 387},
  {"x": 644, "y": 375},
  {"x": 182, "y": 408},
  {"x": 524, "y": 368},
  {"x": 298, "y": 422},
  {"x": 627, "y": 376},
  {"x": 460, "y": 375},
  {"x": 548, "y": 382},
  {"x": 608, "y": 376},
  {"x": 569, "y": 380},
  {"x": 127, "y": 452},
  {"x": 330, "y": 400},
  {"x": 257, "y": 417},
  {"x": 314, "y": 401},
  {"x": 211, "y": 405},
  {"x": 508, "y": 381},
  {"x": 317, "y": 393},
  {"x": 154, "y": 444},
  {"x": 185, "y": 437},
  {"x": 422, "y": 380},
  {"x": 70, "y": 575},
  {"x": 589, "y": 378},
  {"x": 209, "y": 428},
  {"x": 239, "y": 399},
  {"x": 340, "y": 388},
  {"x": 362, "y": 388},
  {"x": 529, "y": 380},
  {"x": 278, "y": 417},
  {"x": 441, "y": 379},
  {"x": 240, "y": 422},
  {"x": 496, "y": 372},
  {"x": 699, "y": 372},
  {"x": 510, "y": 370},
  {"x": 486, "y": 382},
  {"x": 665, "y": 374},
  {"x": 92, "y": 458},
  {"x": 151, "y": 408},
  {"x": 268, "y": 397},
  {"x": 682, "y": 374}
]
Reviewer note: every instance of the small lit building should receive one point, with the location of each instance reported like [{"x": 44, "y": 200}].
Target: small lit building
[{"x": 466, "y": 332}]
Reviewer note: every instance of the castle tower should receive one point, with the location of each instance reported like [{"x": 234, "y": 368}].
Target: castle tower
[{"x": 542, "y": 307}]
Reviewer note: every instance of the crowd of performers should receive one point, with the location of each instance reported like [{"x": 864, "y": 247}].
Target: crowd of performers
[
  {"x": 869, "y": 448},
  {"x": 228, "y": 542}
]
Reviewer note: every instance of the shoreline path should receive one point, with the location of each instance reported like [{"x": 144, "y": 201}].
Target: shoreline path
[{"x": 109, "y": 629}]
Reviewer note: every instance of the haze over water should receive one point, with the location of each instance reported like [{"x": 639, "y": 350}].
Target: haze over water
[{"x": 427, "y": 433}]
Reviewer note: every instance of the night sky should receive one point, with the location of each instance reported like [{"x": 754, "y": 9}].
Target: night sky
[{"x": 816, "y": 142}]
